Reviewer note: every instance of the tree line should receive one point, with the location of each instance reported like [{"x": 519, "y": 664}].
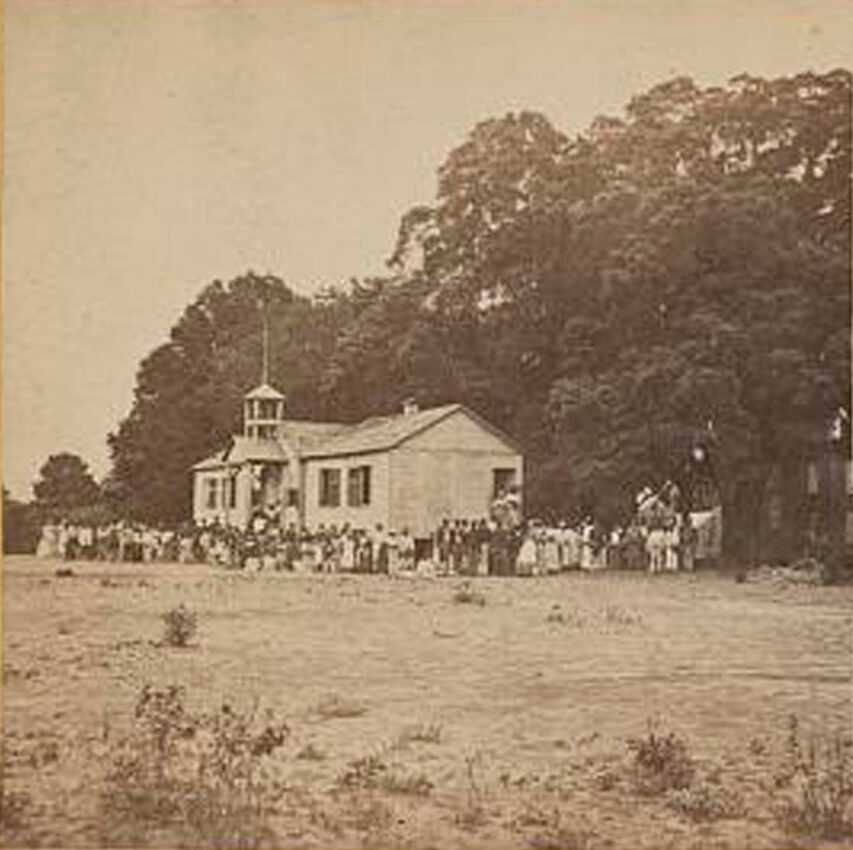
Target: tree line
[{"x": 679, "y": 272}]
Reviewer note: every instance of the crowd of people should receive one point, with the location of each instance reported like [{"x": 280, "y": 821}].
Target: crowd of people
[{"x": 468, "y": 547}]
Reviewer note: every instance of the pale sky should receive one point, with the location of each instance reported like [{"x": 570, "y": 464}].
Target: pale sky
[{"x": 151, "y": 147}]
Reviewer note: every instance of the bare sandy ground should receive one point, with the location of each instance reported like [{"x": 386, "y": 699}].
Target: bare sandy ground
[{"x": 533, "y": 711}]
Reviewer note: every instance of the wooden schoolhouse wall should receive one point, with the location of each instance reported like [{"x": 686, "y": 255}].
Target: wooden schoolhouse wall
[{"x": 447, "y": 472}]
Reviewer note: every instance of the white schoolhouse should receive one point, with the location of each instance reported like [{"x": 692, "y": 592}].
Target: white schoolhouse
[{"x": 410, "y": 470}]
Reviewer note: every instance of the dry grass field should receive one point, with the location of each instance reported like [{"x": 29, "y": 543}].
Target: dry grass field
[{"x": 418, "y": 720}]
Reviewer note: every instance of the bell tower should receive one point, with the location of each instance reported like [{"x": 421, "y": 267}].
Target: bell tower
[
  {"x": 263, "y": 411},
  {"x": 264, "y": 406}
]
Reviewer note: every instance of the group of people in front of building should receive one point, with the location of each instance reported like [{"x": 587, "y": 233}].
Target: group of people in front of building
[{"x": 470, "y": 547}]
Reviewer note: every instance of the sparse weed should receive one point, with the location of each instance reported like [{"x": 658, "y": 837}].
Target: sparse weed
[
  {"x": 705, "y": 802},
  {"x": 404, "y": 782},
  {"x": 373, "y": 817},
  {"x": 474, "y": 815},
  {"x": 180, "y": 626},
  {"x": 616, "y": 615},
  {"x": 202, "y": 777},
  {"x": 371, "y": 773},
  {"x": 554, "y": 834},
  {"x": 310, "y": 753},
  {"x": 570, "y": 617},
  {"x": 364, "y": 772},
  {"x": 466, "y": 595},
  {"x": 333, "y": 707},
  {"x": 13, "y": 812},
  {"x": 817, "y": 784},
  {"x": 661, "y": 762},
  {"x": 423, "y": 733}
]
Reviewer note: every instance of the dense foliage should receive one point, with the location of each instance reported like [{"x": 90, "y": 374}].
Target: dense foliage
[
  {"x": 681, "y": 270},
  {"x": 63, "y": 484}
]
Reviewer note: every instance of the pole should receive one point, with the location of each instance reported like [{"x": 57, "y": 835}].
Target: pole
[{"x": 265, "y": 373}]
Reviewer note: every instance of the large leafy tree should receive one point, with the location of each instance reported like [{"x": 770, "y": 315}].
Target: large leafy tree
[
  {"x": 681, "y": 270},
  {"x": 64, "y": 484},
  {"x": 187, "y": 399},
  {"x": 612, "y": 297}
]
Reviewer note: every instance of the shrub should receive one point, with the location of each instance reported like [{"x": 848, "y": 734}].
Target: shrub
[
  {"x": 554, "y": 834},
  {"x": 474, "y": 815},
  {"x": 202, "y": 777},
  {"x": 403, "y": 782},
  {"x": 13, "y": 812},
  {"x": 364, "y": 772},
  {"x": 661, "y": 762},
  {"x": 370, "y": 773},
  {"x": 179, "y": 626},
  {"x": 310, "y": 753},
  {"x": 616, "y": 615},
  {"x": 465, "y": 595},
  {"x": 705, "y": 802},
  {"x": 424, "y": 733},
  {"x": 334, "y": 706},
  {"x": 818, "y": 781}
]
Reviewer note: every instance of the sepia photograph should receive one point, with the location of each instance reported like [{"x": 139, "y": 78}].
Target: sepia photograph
[{"x": 426, "y": 425}]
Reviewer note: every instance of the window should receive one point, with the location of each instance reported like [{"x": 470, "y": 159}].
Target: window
[
  {"x": 232, "y": 491},
  {"x": 211, "y": 492},
  {"x": 358, "y": 486},
  {"x": 503, "y": 480},
  {"x": 330, "y": 488},
  {"x": 266, "y": 432},
  {"x": 293, "y": 498},
  {"x": 267, "y": 410}
]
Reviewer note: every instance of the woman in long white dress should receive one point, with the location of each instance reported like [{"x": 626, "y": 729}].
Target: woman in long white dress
[
  {"x": 588, "y": 545},
  {"x": 525, "y": 563},
  {"x": 47, "y": 545},
  {"x": 552, "y": 551}
]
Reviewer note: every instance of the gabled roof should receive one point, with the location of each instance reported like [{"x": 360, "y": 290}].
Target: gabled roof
[
  {"x": 305, "y": 436},
  {"x": 212, "y": 462},
  {"x": 336, "y": 439},
  {"x": 265, "y": 391},
  {"x": 387, "y": 432},
  {"x": 243, "y": 450},
  {"x": 253, "y": 448}
]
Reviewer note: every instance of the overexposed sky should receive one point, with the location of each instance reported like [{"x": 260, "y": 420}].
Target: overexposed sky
[{"x": 151, "y": 147}]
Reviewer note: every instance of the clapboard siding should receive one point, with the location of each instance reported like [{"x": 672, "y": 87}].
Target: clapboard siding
[
  {"x": 429, "y": 486},
  {"x": 363, "y": 516}
]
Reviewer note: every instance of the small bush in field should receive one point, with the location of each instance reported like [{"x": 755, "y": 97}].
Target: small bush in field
[
  {"x": 705, "y": 802},
  {"x": 364, "y": 772},
  {"x": 310, "y": 753},
  {"x": 371, "y": 773},
  {"x": 335, "y": 707},
  {"x": 465, "y": 595},
  {"x": 662, "y": 762},
  {"x": 424, "y": 733},
  {"x": 180, "y": 626},
  {"x": 817, "y": 785},
  {"x": 13, "y": 812},
  {"x": 201, "y": 777},
  {"x": 404, "y": 782},
  {"x": 554, "y": 834}
]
